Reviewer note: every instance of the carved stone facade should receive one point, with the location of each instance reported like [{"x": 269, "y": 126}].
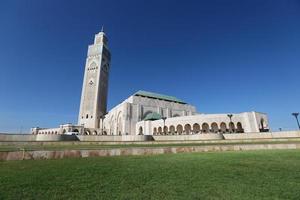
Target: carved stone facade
[{"x": 95, "y": 83}]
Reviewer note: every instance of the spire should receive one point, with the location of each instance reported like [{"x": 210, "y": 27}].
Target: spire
[{"x": 102, "y": 29}]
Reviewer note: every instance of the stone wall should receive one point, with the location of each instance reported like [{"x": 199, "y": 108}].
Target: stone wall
[
  {"x": 142, "y": 138},
  {"x": 269, "y": 135},
  {"x": 116, "y": 138},
  {"x": 187, "y": 137},
  {"x": 17, "y": 137},
  {"x": 37, "y": 155}
]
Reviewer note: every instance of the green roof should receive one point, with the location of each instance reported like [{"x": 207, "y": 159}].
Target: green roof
[
  {"x": 158, "y": 96},
  {"x": 152, "y": 116}
]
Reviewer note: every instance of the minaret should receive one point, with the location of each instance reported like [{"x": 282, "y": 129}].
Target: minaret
[{"x": 95, "y": 83}]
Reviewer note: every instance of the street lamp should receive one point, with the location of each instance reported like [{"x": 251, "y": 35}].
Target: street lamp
[
  {"x": 164, "y": 118},
  {"x": 230, "y": 116},
  {"x": 296, "y": 116}
]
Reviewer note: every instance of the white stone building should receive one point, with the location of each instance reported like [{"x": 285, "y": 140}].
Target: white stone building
[{"x": 144, "y": 113}]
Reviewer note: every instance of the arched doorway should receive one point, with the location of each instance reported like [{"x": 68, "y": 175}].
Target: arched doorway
[
  {"x": 141, "y": 130},
  {"x": 179, "y": 129},
  {"x": 155, "y": 131},
  {"x": 165, "y": 130},
  {"x": 223, "y": 127},
  {"x": 187, "y": 129},
  {"x": 231, "y": 127},
  {"x": 159, "y": 130},
  {"x": 172, "y": 130},
  {"x": 239, "y": 127},
  {"x": 196, "y": 128},
  {"x": 214, "y": 127},
  {"x": 205, "y": 128}
]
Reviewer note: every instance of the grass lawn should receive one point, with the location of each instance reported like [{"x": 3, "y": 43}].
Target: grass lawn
[{"x": 219, "y": 175}]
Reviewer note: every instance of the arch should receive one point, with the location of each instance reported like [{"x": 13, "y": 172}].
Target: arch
[
  {"x": 87, "y": 116},
  {"x": 76, "y": 130},
  {"x": 179, "y": 129},
  {"x": 95, "y": 133},
  {"x": 145, "y": 114},
  {"x": 155, "y": 131},
  {"x": 111, "y": 125},
  {"x": 64, "y": 131},
  {"x": 239, "y": 127},
  {"x": 214, "y": 127},
  {"x": 87, "y": 132},
  {"x": 172, "y": 130},
  {"x": 55, "y": 132},
  {"x": 187, "y": 129},
  {"x": 52, "y": 132},
  {"x": 205, "y": 128},
  {"x": 165, "y": 130},
  {"x": 196, "y": 128},
  {"x": 119, "y": 124},
  {"x": 223, "y": 127},
  {"x": 159, "y": 130},
  {"x": 141, "y": 130},
  {"x": 231, "y": 127},
  {"x": 263, "y": 126}
]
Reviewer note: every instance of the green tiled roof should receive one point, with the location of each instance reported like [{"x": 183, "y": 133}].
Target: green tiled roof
[
  {"x": 158, "y": 96},
  {"x": 152, "y": 116}
]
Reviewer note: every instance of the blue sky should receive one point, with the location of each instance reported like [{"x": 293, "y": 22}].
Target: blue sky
[{"x": 221, "y": 56}]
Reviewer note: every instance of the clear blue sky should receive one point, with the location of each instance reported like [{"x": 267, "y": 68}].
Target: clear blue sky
[{"x": 221, "y": 56}]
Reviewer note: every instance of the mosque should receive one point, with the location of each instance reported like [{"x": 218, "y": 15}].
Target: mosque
[{"x": 144, "y": 113}]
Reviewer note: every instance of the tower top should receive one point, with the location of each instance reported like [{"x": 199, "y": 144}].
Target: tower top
[{"x": 100, "y": 37}]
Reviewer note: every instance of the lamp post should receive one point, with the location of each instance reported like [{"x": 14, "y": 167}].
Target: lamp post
[
  {"x": 230, "y": 116},
  {"x": 164, "y": 118},
  {"x": 296, "y": 116}
]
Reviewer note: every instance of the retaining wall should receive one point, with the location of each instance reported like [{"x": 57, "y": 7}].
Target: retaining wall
[
  {"x": 269, "y": 135},
  {"x": 36, "y": 155},
  {"x": 188, "y": 137},
  {"x": 141, "y": 138},
  {"x": 114, "y": 138},
  {"x": 17, "y": 137}
]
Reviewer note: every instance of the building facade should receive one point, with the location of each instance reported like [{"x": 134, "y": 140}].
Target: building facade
[{"x": 143, "y": 113}]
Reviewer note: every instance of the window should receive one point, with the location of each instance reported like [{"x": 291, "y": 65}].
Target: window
[{"x": 87, "y": 116}]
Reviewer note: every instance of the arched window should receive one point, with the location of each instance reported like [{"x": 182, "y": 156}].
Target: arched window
[{"x": 87, "y": 116}]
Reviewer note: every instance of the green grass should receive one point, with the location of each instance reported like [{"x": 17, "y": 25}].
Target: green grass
[{"x": 222, "y": 175}]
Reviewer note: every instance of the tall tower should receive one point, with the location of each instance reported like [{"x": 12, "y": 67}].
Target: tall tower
[{"x": 95, "y": 83}]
